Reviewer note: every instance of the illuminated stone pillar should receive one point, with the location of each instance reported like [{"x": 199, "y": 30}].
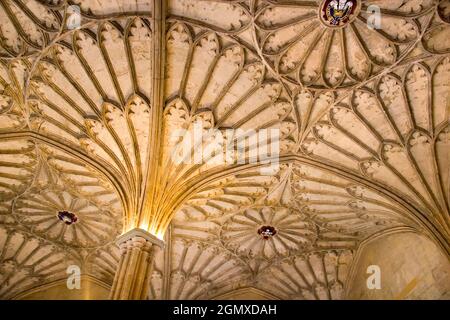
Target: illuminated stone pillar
[{"x": 132, "y": 279}]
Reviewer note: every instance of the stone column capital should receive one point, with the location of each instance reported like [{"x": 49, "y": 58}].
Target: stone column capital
[{"x": 138, "y": 236}]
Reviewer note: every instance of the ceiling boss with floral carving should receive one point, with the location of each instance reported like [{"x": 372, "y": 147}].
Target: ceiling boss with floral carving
[{"x": 116, "y": 119}]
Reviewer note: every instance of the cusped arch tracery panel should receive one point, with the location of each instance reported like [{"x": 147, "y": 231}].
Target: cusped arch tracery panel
[
  {"x": 395, "y": 135},
  {"x": 333, "y": 53},
  {"x": 91, "y": 93},
  {"x": 294, "y": 232},
  {"x": 27, "y": 261}
]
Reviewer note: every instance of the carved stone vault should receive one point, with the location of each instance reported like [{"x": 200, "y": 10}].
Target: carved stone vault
[{"x": 86, "y": 116}]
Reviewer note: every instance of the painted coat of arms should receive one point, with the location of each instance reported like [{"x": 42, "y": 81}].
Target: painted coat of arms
[{"x": 336, "y": 13}]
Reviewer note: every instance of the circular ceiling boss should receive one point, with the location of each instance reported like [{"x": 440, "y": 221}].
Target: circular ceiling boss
[{"x": 338, "y": 13}]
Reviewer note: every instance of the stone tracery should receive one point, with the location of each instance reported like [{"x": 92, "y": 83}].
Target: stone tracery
[{"x": 77, "y": 113}]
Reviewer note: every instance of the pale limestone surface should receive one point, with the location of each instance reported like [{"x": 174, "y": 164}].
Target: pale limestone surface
[
  {"x": 365, "y": 140},
  {"x": 411, "y": 266}
]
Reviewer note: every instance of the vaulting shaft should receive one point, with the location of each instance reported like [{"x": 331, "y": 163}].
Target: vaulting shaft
[{"x": 132, "y": 279}]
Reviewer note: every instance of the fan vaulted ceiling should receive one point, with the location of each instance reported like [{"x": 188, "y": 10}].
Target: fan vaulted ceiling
[{"x": 363, "y": 116}]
